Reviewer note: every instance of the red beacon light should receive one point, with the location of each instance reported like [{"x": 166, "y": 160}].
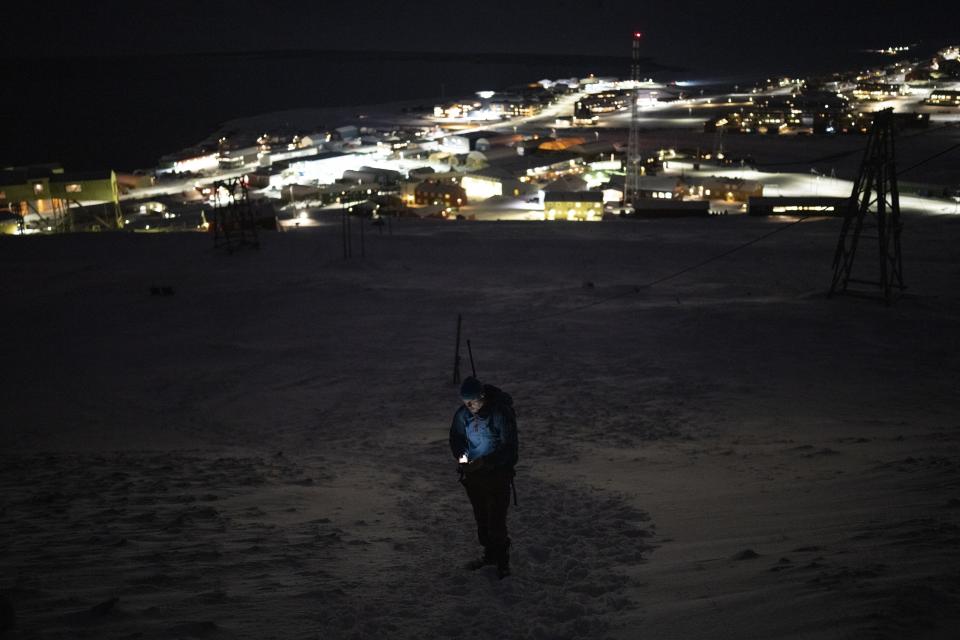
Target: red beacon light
[{"x": 637, "y": 35}]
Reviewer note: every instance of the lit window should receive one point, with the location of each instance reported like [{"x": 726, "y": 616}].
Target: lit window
[{"x": 74, "y": 188}]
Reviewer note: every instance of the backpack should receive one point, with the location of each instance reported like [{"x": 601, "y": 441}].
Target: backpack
[{"x": 503, "y": 401}]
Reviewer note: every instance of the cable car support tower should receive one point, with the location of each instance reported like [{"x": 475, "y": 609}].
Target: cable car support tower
[
  {"x": 234, "y": 218},
  {"x": 874, "y": 208}
]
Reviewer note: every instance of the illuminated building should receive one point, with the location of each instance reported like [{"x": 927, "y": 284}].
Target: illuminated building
[
  {"x": 192, "y": 161},
  {"x": 583, "y": 115},
  {"x": 944, "y": 98},
  {"x": 434, "y": 192},
  {"x": 238, "y": 158},
  {"x": 727, "y": 189},
  {"x": 949, "y": 53},
  {"x": 545, "y": 165},
  {"x": 468, "y": 111},
  {"x": 573, "y": 205},
  {"x": 260, "y": 179},
  {"x": 797, "y": 205},
  {"x": 324, "y": 168},
  {"x": 586, "y": 110},
  {"x": 661, "y": 188},
  {"x": 488, "y": 183},
  {"x": 267, "y": 158},
  {"x": 372, "y": 175},
  {"x": 473, "y": 141},
  {"x": 49, "y": 199},
  {"x": 877, "y": 90}
]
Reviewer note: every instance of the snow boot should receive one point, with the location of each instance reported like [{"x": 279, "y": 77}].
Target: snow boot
[
  {"x": 485, "y": 560},
  {"x": 503, "y": 561}
]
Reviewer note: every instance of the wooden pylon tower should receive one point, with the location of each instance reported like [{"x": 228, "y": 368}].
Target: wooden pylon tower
[
  {"x": 234, "y": 220},
  {"x": 873, "y": 212}
]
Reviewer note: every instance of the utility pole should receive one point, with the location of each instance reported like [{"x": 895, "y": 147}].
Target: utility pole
[
  {"x": 456, "y": 352},
  {"x": 875, "y": 192},
  {"x": 631, "y": 185}
]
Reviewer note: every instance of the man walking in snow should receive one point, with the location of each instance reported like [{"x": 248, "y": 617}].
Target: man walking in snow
[{"x": 483, "y": 439}]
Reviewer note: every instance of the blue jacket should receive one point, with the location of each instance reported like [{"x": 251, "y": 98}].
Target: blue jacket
[{"x": 501, "y": 427}]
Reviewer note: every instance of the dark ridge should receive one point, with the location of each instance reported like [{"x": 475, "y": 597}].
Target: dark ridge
[{"x": 561, "y": 59}]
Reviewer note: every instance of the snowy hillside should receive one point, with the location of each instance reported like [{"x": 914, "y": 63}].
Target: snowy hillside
[{"x": 263, "y": 453}]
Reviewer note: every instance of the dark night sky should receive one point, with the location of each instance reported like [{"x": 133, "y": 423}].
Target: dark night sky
[
  {"x": 91, "y": 114},
  {"x": 692, "y": 33}
]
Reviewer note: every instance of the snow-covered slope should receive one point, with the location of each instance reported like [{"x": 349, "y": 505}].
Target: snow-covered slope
[{"x": 726, "y": 454}]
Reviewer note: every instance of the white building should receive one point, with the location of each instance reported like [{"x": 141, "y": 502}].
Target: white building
[
  {"x": 325, "y": 168},
  {"x": 189, "y": 162}
]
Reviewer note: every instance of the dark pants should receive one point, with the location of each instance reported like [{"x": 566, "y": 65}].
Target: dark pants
[{"x": 489, "y": 493}]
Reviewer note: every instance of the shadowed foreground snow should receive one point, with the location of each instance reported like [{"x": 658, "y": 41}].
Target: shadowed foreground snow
[{"x": 263, "y": 453}]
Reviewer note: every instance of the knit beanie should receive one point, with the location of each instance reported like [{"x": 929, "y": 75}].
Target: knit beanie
[{"x": 471, "y": 389}]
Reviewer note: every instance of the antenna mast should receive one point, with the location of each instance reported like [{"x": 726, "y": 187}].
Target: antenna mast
[{"x": 632, "y": 178}]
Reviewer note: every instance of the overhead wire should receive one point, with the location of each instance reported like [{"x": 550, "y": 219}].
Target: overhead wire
[
  {"x": 636, "y": 289},
  {"x": 928, "y": 159},
  {"x": 843, "y": 154}
]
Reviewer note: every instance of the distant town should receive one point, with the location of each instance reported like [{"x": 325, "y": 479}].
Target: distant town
[{"x": 568, "y": 149}]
